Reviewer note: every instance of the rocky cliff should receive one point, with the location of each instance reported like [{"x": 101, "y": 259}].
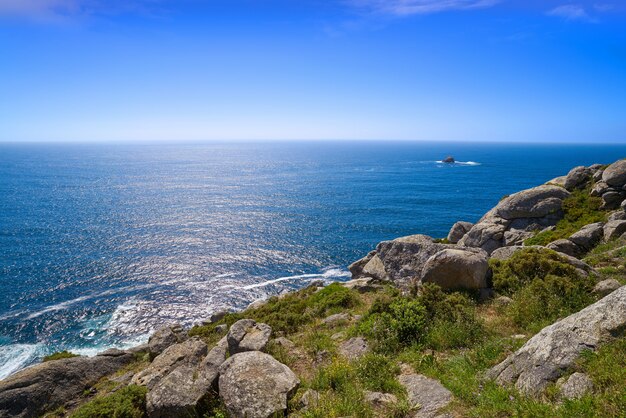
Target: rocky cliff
[{"x": 522, "y": 311}]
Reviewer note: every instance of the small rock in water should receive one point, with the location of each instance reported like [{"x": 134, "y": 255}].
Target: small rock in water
[{"x": 449, "y": 159}]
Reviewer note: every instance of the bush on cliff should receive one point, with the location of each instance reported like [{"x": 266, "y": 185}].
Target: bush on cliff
[
  {"x": 543, "y": 287},
  {"x": 579, "y": 209},
  {"x": 59, "y": 355},
  {"x": 128, "y": 402}
]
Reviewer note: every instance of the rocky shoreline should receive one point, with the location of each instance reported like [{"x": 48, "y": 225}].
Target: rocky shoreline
[{"x": 233, "y": 363}]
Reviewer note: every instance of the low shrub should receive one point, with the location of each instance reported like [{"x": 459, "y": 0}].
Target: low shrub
[
  {"x": 377, "y": 373},
  {"x": 59, "y": 355},
  {"x": 129, "y": 402}
]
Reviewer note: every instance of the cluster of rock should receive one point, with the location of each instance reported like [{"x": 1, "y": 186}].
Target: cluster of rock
[
  {"x": 183, "y": 375},
  {"x": 461, "y": 261}
]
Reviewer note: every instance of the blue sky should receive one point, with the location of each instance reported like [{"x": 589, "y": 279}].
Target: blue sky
[{"x": 463, "y": 70}]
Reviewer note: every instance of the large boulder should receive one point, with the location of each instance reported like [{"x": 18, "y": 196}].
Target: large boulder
[
  {"x": 427, "y": 395},
  {"x": 457, "y": 269},
  {"x": 255, "y": 385},
  {"x": 509, "y": 222},
  {"x": 164, "y": 338},
  {"x": 614, "y": 229},
  {"x": 458, "y": 230},
  {"x": 564, "y": 246},
  {"x": 186, "y": 354},
  {"x": 180, "y": 393},
  {"x": 356, "y": 268},
  {"x": 612, "y": 199},
  {"x": 554, "y": 350},
  {"x": 49, "y": 385},
  {"x": 599, "y": 189},
  {"x": 615, "y": 174},
  {"x": 578, "y": 177},
  {"x": 588, "y": 236},
  {"x": 248, "y": 335}
]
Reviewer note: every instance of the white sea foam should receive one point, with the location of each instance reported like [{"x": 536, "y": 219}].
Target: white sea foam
[
  {"x": 471, "y": 163},
  {"x": 14, "y": 357},
  {"x": 326, "y": 275}
]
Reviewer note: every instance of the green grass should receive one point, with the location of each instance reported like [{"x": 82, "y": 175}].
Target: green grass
[
  {"x": 129, "y": 402},
  {"x": 59, "y": 355},
  {"x": 579, "y": 209}
]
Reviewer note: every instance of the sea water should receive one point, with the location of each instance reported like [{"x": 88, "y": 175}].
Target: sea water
[{"x": 102, "y": 243}]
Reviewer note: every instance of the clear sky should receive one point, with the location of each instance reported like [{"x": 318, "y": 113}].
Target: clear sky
[{"x": 482, "y": 70}]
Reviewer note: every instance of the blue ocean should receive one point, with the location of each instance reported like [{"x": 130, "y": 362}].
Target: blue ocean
[{"x": 102, "y": 243}]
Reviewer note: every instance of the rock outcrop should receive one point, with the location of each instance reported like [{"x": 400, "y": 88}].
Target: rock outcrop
[
  {"x": 516, "y": 216},
  {"x": 547, "y": 355},
  {"x": 457, "y": 269},
  {"x": 164, "y": 338},
  {"x": 255, "y": 385},
  {"x": 427, "y": 395},
  {"x": 46, "y": 386},
  {"x": 248, "y": 335},
  {"x": 458, "y": 231},
  {"x": 614, "y": 229},
  {"x": 353, "y": 348},
  {"x": 576, "y": 386},
  {"x": 578, "y": 177}
]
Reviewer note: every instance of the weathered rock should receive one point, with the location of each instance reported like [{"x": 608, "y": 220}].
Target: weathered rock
[
  {"x": 597, "y": 175},
  {"x": 588, "y": 236},
  {"x": 458, "y": 230},
  {"x": 254, "y": 385},
  {"x": 557, "y": 181},
  {"x": 426, "y": 394},
  {"x": 612, "y": 199},
  {"x": 502, "y": 301},
  {"x": 47, "y": 386},
  {"x": 614, "y": 229},
  {"x": 599, "y": 189},
  {"x": 283, "y": 342},
  {"x": 565, "y": 246},
  {"x": 375, "y": 268},
  {"x": 363, "y": 285},
  {"x": 356, "y": 268},
  {"x": 164, "y": 338},
  {"x": 403, "y": 259},
  {"x": 335, "y": 319},
  {"x": 309, "y": 399},
  {"x": 528, "y": 210},
  {"x": 547, "y": 355},
  {"x": 179, "y": 393},
  {"x": 623, "y": 206},
  {"x": 221, "y": 329},
  {"x": 607, "y": 286},
  {"x": 248, "y": 335},
  {"x": 578, "y": 177},
  {"x": 219, "y": 315},
  {"x": 576, "y": 386},
  {"x": 353, "y": 348},
  {"x": 188, "y": 353},
  {"x": 618, "y": 215},
  {"x": 615, "y": 174},
  {"x": 380, "y": 400},
  {"x": 457, "y": 269}
]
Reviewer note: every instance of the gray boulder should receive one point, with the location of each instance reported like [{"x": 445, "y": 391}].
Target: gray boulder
[
  {"x": 353, "y": 348},
  {"x": 188, "y": 354},
  {"x": 248, "y": 335},
  {"x": 565, "y": 246},
  {"x": 426, "y": 394},
  {"x": 254, "y": 385},
  {"x": 380, "y": 400},
  {"x": 458, "y": 230},
  {"x": 588, "y": 236},
  {"x": 356, "y": 268},
  {"x": 597, "y": 175},
  {"x": 529, "y": 210},
  {"x": 547, "y": 355},
  {"x": 179, "y": 393},
  {"x": 557, "y": 181},
  {"x": 599, "y": 189},
  {"x": 612, "y": 199},
  {"x": 47, "y": 386},
  {"x": 607, "y": 286},
  {"x": 576, "y": 386},
  {"x": 336, "y": 319},
  {"x": 615, "y": 174},
  {"x": 618, "y": 215},
  {"x": 164, "y": 338},
  {"x": 309, "y": 399},
  {"x": 614, "y": 229},
  {"x": 363, "y": 285},
  {"x": 457, "y": 269},
  {"x": 577, "y": 178}
]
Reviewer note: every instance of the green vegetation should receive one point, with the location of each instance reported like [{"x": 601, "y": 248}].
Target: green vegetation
[
  {"x": 59, "y": 355},
  {"x": 579, "y": 209},
  {"x": 543, "y": 287},
  {"x": 128, "y": 402}
]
